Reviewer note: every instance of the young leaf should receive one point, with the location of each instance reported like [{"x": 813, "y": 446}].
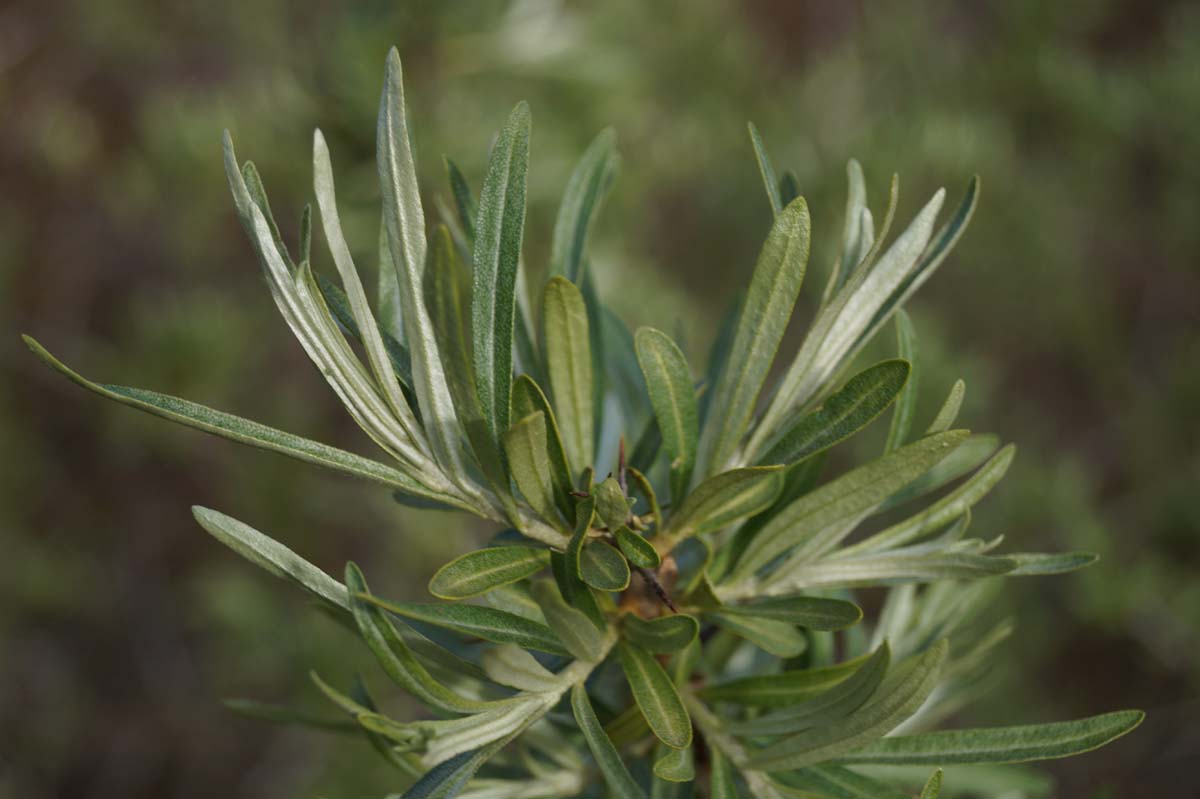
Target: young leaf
[
  {"x": 612, "y": 506},
  {"x": 607, "y": 758},
  {"x": 476, "y": 622},
  {"x": 277, "y": 714},
  {"x": 656, "y": 695},
  {"x": 726, "y": 498},
  {"x": 1000, "y": 744},
  {"x": 766, "y": 169},
  {"x": 498, "y": 232},
  {"x": 464, "y": 200},
  {"x": 764, "y": 317},
  {"x": 479, "y": 572},
  {"x": 581, "y": 203},
  {"x": 641, "y": 553},
  {"x": 576, "y": 631},
  {"x": 867, "y": 724},
  {"x": 815, "y": 613},
  {"x": 933, "y": 787},
  {"x": 674, "y": 765},
  {"x": 906, "y": 339},
  {"x": 669, "y": 383},
  {"x": 567, "y": 346},
  {"x": 244, "y": 431},
  {"x": 643, "y": 485},
  {"x": 776, "y": 637},
  {"x": 525, "y": 444},
  {"x": 527, "y": 398},
  {"x": 857, "y": 404},
  {"x": 1036, "y": 564},
  {"x": 816, "y": 522},
  {"x": 662, "y": 636},
  {"x": 603, "y": 567},
  {"x": 967, "y": 457}
]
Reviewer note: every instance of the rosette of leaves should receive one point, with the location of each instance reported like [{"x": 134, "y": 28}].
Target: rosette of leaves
[{"x": 679, "y": 620}]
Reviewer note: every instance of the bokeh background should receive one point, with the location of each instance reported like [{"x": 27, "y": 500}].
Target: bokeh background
[{"x": 1071, "y": 308}]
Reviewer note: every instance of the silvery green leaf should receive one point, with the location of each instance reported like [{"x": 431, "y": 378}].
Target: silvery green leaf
[
  {"x": 726, "y": 498},
  {"x": 942, "y": 512},
  {"x": 481, "y": 571},
  {"x": 1021, "y": 744},
  {"x": 906, "y": 404},
  {"x": 244, "y": 431},
  {"x": 669, "y": 384},
  {"x": 526, "y": 446},
  {"x": 831, "y": 705},
  {"x": 586, "y": 189},
  {"x": 1036, "y": 564},
  {"x": 607, "y": 758},
  {"x": 498, "y": 233},
  {"x": 567, "y": 345},
  {"x": 516, "y": 599},
  {"x": 356, "y": 295},
  {"x": 512, "y": 666},
  {"x": 278, "y": 714},
  {"x": 780, "y": 690},
  {"x": 864, "y": 397},
  {"x": 779, "y": 638},
  {"x": 576, "y": 631},
  {"x": 764, "y": 317},
  {"x": 718, "y": 353},
  {"x": 882, "y": 714},
  {"x": 656, "y": 695},
  {"x": 890, "y": 567},
  {"x": 674, "y": 765},
  {"x": 948, "y": 413},
  {"x": 818, "y": 521},
  {"x": 662, "y": 636},
  {"x": 395, "y": 657},
  {"x": 837, "y": 782},
  {"x": 766, "y": 169},
  {"x": 967, "y": 457},
  {"x": 387, "y": 288},
  {"x": 815, "y": 613},
  {"x": 476, "y": 621},
  {"x": 464, "y": 200},
  {"x": 405, "y": 222}
]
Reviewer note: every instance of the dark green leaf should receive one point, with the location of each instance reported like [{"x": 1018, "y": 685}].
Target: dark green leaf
[
  {"x": 933, "y": 787},
  {"x": 567, "y": 345},
  {"x": 906, "y": 406},
  {"x": 674, "y": 765},
  {"x": 525, "y": 445},
  {"x": 577, "y": 632},
  {"x": 669, "y": 383},
  {"x": 612, "y": 506},
  {"x": 464, "y": 200},
  {"x": 476, "y": 621},
  {"x": 780, "y": 690},
  {"x": 603, "y": 567},
  {"x": 815, "y": 613},
  {"x": 656, "y": 695},
  {"x": 765, "y": 168},
  {"x": 721, "y": 783},
  {"x": 640, "y": 552},
  {"x": 1035, "y": 564},
  {"x": 776, "y": 637},
  {"x": 725, "y": 499},
  {"x": 498, "y": 232},
  {"x": 581, "y": 203},
  {"x": 607, "y": 758},
  {"x": 662, "y": 636},
  {"x": 527, "y": 398}
]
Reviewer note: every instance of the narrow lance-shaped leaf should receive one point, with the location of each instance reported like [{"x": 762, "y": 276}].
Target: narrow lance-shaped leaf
[
  {"x": 577, "y": 632},
  {"x": 891, "y": 567},
  {"x": 722, "y": 784},
  {"x": 815, "y": 613},
  {"x": 1021, "y": 744},
  {"x": 764, "y": 317},
  {"x": 817, "y": 521},
  {"x": 726, "y": 498},
  {"x": 662, "y": 636},
  {"x": 528, "y": 398},
  {"x": 779, "y": 638},
  {"x": 498, "y": 233},
  {"x": 950, "y": 408},
  {"x": 933, "y": 787},
  {"x": 581, "y": 203},
  {"x": 607, "y": 758},
  {"x": 476, "y": 621},
  {"x": 906, "y": 405},
  {"x": 406, "y": 243},
  {"x": 478, "y": 572},
  {"x": 766, "y": 169},
  {"x": 464, "y": 200},
  {"x": 566, "y": 343},
  {"x": 669, "y": 383},
  {"x": 244, "y": 431},
  {"x": 864, "y": 397},
  {"x": 874, "y": 720},
  {"x": 656, "y": 695},
  {"x": 829, "y": 780}
]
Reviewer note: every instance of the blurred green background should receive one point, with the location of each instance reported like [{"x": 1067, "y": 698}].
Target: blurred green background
[{"x": 1071, "y": 308}]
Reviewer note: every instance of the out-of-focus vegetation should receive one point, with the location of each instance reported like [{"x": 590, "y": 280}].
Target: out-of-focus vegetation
[{"x": 1071, "y": 308}]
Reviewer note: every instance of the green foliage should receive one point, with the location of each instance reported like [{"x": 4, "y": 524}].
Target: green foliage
[{"x": 710, "y": 617}]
